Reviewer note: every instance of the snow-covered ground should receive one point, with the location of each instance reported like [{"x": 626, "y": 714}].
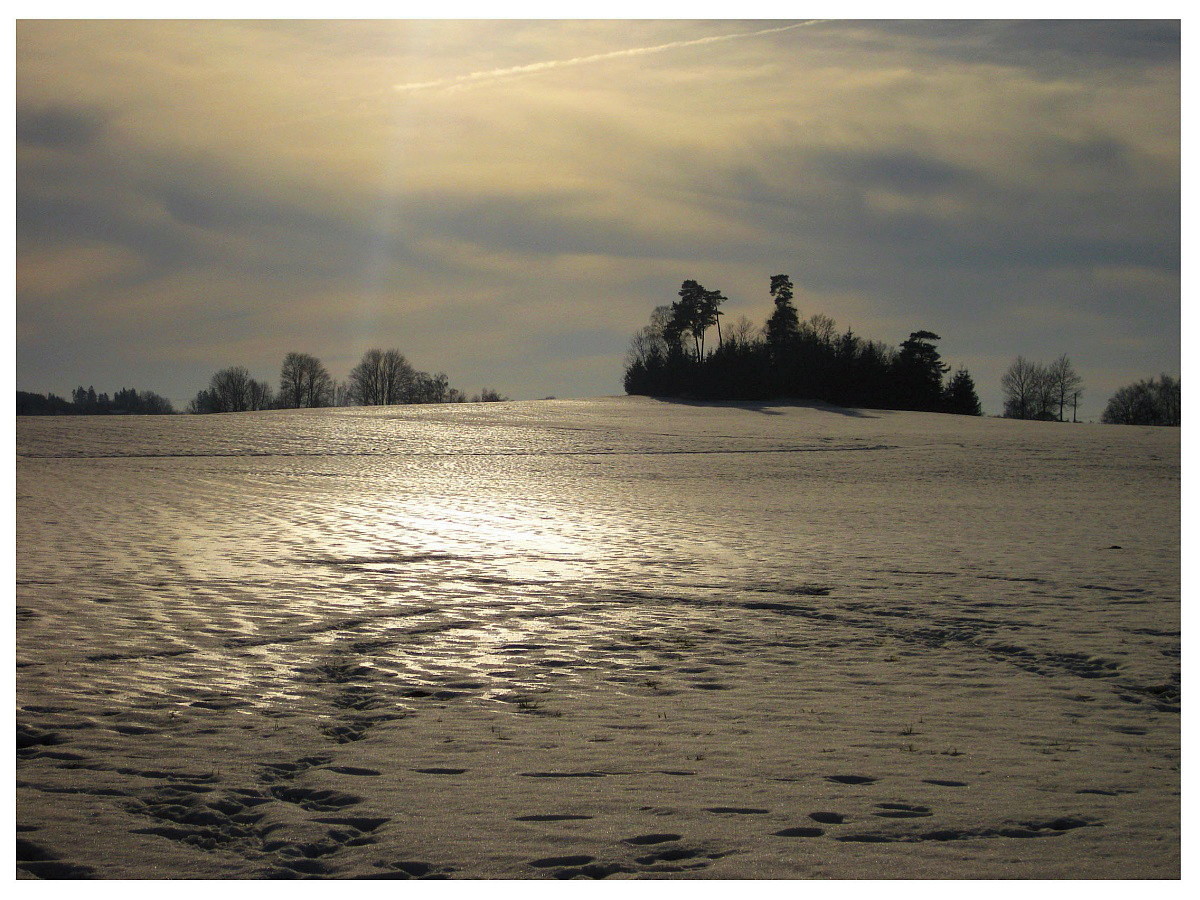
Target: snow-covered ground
[{"x": 612, "y": 637}]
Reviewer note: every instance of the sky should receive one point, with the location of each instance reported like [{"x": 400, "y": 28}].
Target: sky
[{"x": 506, "y": 201}]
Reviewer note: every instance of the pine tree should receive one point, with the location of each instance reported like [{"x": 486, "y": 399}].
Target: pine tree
[
  {"x": 919, "y": 372},
  {"x": 695, "y": 312},
  {"x": 960, "y": 396},
  {"x": 783, "y": 328}
]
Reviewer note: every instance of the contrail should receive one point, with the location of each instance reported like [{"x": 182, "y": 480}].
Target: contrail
[{"x": 491, "y": 74}]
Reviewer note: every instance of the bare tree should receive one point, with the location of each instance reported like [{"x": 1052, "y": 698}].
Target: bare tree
[
  {"x": 1028, "y": 390},
  {"x": 821, "y": 327},
  {"x": 397, "y": 377},
  {"x": 230, "y": 390},
  {"x": 743, "y": 332},
  {"x": 1036, "y": 391},
  {"x": 1018, "y": 384},
  {"x": 304, "y": 381},
  {"x": 1149, "y": 402},
  {"x": 650, "y": 341},
  {"x": 428, "y": 388},
  {"x": 366, "y": 379},
  {"x": 1045, "y": 394},
  {"x": 318, "y": 387},
  {"x": 156, "y": 405},
  {"x": 382, "y": 378},
  {"x": 1169, "y": 395},
  {"x": 291, "y": 380},
  {"x": 260, "y": 395},
  {"x": 1065, "y": 383}
]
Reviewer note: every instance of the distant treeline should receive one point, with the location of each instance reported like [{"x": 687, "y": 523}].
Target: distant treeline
[
  {"x": 381, "y": 378},
  {"x": 86, "y": 402},
  {"x": 787, "y": 358}
]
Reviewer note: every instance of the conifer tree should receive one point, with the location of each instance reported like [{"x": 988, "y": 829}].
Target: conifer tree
[
  {"x": 960, "y": 396},
  {"x": 919, "y": 372},
  {"x": 783, "y": 328}
]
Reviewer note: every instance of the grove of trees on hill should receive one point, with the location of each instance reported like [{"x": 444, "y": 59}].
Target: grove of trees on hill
[
  {"x": 304, "y": 382},
  {"x": 86, "y": 402},
  {"x": 386, "y": 378},
  {"x": 381, "y": 378},
  {"x": 1153, "y": 401},
  {"x": 787, "y": 357},
  {"x": 233, "y": 390},
  {"x": 1036, "y": 391}
]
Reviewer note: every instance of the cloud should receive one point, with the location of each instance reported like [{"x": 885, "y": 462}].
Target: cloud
[
  {"x": 194, "y": 182},
  {"x": 61, "y": 269},
  {"x": 901, "y": 170},
  {"x": 59, "y": 126},
  {"x": 1060, "y": 46}
]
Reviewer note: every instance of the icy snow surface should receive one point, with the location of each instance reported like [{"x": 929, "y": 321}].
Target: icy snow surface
[{"x": 601, "y": 638}]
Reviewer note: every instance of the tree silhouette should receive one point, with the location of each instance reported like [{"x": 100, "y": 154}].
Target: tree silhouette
[
  {"x": 1036, "y": 391},
  {"x": 397, "y": 377},
  {"x": 86, "y": 401},
  {"x": 259, "y": 393},
  {"x": 1065, "y": 383},
  {"x": 31, "y": 404},
  {"x": 366, "y": 379},
  {"x": 960, "y": 396},
  {"x": 232, "y": 390},
  {"x": 304, "y": 382},
  {"x": 783, "y": 328},
  {"x": 382, "y": 378},
  {"x": 1020, "y": 385},
  {"x": 426, "y": 388},
  {"x": 786, "y": 358},
  {"x": 919, "y": 371},
  {"x": 744, "y": 333},
  {"x": 1150, "y": 402},
  {"x": 126, "y": 401},
  {"x": 695, "y": 312},
  {"x": 650, "y": 342}
]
